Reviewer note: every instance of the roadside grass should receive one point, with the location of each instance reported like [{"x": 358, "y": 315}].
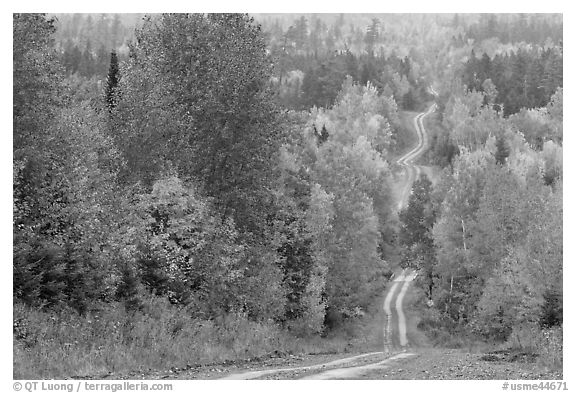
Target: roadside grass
[
  {"x": 413, "y": 301},
  {"x": 363, "y": 334},
  {"x": 525, "y": 344},
  {"x": 425, "y": 329},
  {"x": 546, "y": 345},
  {"x": 433, "y": 331},
  {"x": 66, "y": 345},
  {"x": 440, "y": 335}
]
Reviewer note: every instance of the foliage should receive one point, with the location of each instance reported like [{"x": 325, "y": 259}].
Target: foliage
[
  {"x": 502, "y": 150},
  {"x": 195, "y": 258},
  {"x": 415, "y": 233},
  {"x": 191, "y": 209},
  {"x": 351, "y": 168},
  {"x": 304, "y": 224},
  {"x": 64, "y": 207},
  {"x": 521, "y": 79},
  {"x": 490, "y": 277},
  {"x": 536, "y": 28},
  {"x": 36, "y": 77},
  {"x": 195, "y": 98}
]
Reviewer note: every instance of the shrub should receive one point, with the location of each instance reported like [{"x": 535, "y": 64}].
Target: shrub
[{"x": 546, "y": 343}]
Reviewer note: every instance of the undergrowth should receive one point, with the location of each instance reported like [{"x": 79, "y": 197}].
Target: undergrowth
[
  {"x": 361, "y": 334},
  {"x": 161, "y": 336},
  {"x": 545, "y": 345}
]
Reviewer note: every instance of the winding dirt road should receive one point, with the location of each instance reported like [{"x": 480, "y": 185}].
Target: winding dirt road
[
  {"x": 394, "y": 330},
  {"x": 396, "y": 316},
  {"x": 407, "y": 160}
]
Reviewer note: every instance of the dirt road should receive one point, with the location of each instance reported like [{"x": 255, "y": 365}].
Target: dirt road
[
  {"x": 405, "y": 277},
  {"x": 412, "y": 171}
]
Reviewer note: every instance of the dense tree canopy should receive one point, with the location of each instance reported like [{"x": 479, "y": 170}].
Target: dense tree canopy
[
  {"x": 231, "y": 170},
  {"x": 521, "y": 79},
  {"x": 204, "y": 109}
]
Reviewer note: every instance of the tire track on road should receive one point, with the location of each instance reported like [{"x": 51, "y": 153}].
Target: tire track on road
[
  {"x": 401, "y": 318},
  {"x": 406, "y": 161},
  {"x": 264, "y": 373},
  {"x": 359, "y": 371}
]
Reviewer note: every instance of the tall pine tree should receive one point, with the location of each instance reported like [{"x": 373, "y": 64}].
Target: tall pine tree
[
  {"x": 416, "y": 232},
  {"x": 112, "y": 81},
  {"x": 502, "y": 150}
]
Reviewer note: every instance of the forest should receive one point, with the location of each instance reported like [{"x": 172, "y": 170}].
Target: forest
[{"x": 199, "y": 188}]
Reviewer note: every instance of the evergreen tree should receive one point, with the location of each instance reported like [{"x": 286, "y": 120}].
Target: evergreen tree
[
  {"x": 536, "y": 89},
  {"x": 553, "y": 74},
  {"x": 300, "y": 32},
  {"x": 408, "y": 101},
  {"x": 372, "y": 35},
  {"x": 127, "y": 290},
  {"x": 111, "y": 89},
  {"x": 484, "y": 68},
  {"x": 502, "y": 150},
  {"x": 351, "y": 65},
  {"x": 75, "y": 60},
  {"x": 415, "y": 231},
  {"x": 471, "y": 72},
  {"x": 87, "y": 61},
  {"x": 518, "y": 82},
  {"x": 552, "y": 309},
  {"x": 455, "y": 21},
  {"x": 102, "y": 61},
  {"x": 405, "y": 67},
  {"x": 322, "y": 135}
]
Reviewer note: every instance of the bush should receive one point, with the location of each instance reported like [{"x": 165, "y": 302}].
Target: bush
[
  {"x": 552, "y": 311},
  {"x": 550, "y": 347},
  {"x": 546, "y": 343}
]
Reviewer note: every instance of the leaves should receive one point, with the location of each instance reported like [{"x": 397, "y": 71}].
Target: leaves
[
  {"x": 415, "y": 234},
  {"x": 351, "y": 168},
  {"x": 195, "y": 98}
]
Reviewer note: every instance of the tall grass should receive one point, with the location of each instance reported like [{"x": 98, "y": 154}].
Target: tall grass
[
  {"x": 546, "y": 343},
  {"x": 49, "y": 345}
]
